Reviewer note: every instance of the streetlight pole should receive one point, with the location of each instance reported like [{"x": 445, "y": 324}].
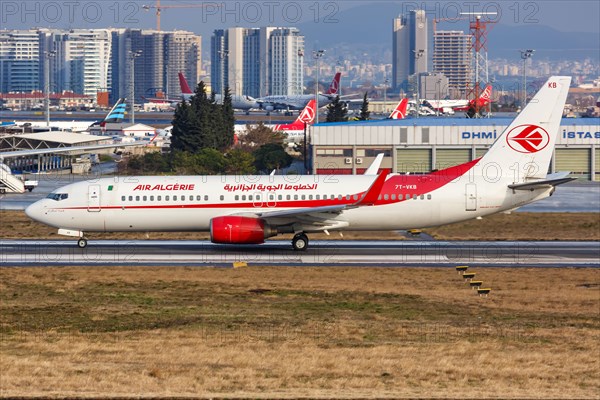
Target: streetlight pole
[
  {"x": 132, "y": 56},
  {"x": 317, "y": 54},
  {"x": 385, "y": 85},
  {"x": 418, "y": 54},
  {"x": 48, "y": 55},
  {"x": 525, "y": 55}
]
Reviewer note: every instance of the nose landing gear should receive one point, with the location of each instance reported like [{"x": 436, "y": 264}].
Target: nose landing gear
[{"x": 82, "y": 243}]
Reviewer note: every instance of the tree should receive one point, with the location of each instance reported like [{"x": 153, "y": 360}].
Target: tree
[
  {"x": 271, "y": 156},
  {"x": 228, "y": 128},
  {"x": 239, "y": 162},
  {"x": 186, "y": 134},
  {"x": 259, "y": 135},
  {"x": 337, "y": 111},
  {"x": 364, "y": 109}
]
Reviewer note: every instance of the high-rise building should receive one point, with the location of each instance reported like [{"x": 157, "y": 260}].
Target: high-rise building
[
  {"x": 20, "y": 61},
  {"x": 182, "y": 51},
  {"x": 452, "y": 57},
  {"x": 257, "y": 61},
  {"x": 410, "y": 52},
  {"x": 81, "y": 61}
]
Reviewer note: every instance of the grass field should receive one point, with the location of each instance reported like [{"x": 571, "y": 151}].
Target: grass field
[
  {"x": 299, "y": 332},
  {"x": 515, "y": 226}
]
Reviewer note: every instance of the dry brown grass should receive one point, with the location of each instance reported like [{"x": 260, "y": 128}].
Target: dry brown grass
[
  {"x": 289, "y": 332},
  {"x": 515, "y": 226}
]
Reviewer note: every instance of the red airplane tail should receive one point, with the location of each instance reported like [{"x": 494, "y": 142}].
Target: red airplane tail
[
  {"x": 485, "y": 98},
  {"x": 334, "y": 87},
  {"x": 400, "y": 110},
  {"x": 307, "y": 116},
  {"x": 185, "y": 88}
]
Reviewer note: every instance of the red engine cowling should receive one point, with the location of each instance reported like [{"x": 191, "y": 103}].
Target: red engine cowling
[{"x": 240, "y": 230}]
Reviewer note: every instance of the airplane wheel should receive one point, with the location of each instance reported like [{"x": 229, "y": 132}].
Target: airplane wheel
[
  {"x": 82, "y": 243},
  {"x": 300, "y": 242}
]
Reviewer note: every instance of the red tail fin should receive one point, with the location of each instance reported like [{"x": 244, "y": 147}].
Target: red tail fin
[
  {"x": 185, "y": 88},
  {"x": 400, "y": 110},
  {"x": 308, "y": 114},
  {"x": 334, "y": 87},
  {"x": 486, "y": 95}
]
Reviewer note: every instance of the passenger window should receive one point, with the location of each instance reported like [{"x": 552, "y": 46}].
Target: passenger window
[
  {"x": 271, "y": 197},
  {"x": 130, "y": 198},
  {"x": 386, "y": 196},
  {"x": 151, "y": 198},
  {"x": 324, "y": 197},
  {"x": 295, "y": 197},
  {"x": 237, "y": 197},
  {"x": 428, "y": 197},
  {"x": 303, "y": 197},
  {"x": 174, "y": 198},
  {"x": 222, "y": 197},
  {"x": 414, "y": 196},
  {"x": 310, "y": 197},
  {"x": 339, "y": 197},
  {"x": 393, "y": 197},
  {"x": 158, "y": 198},
  {"x": 355, "y": 197},
  {"x": 145, "y": 198},
  {"x": 122, "y": 198},
  {"x": 191, "y": 198},
  {"x": 183, "y": 198},
  {"x": 258, "y": 197},
  {"x": 205, "y": 197},
  {"x": 288, "y": 197},
  {"x": 250, "y": 197},
  {"x": 318, "y": 197},
  {"x": 166, "y": 198},
  {"x": 422, "y": 196},
  {"x": 137, "y": 198},
  {"x": 198, "y": 198},
  {"x": 243, "y": 197},
  {"x": 280, "y": 197}
]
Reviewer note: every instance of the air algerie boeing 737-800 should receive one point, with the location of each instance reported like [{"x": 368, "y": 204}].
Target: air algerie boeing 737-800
[{"x": 247, "y": 210}]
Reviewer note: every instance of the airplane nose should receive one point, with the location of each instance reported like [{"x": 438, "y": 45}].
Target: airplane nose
[{"x": 34, "y": 211}]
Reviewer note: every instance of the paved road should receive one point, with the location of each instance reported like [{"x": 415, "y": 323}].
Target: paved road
[{"x": 336, "y": 253}]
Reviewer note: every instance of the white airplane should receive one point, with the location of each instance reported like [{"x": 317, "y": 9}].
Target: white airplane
[
  {"x": 451, "y": 106},
  {"x": 249, "y": 209},
  {"x": 239, "y": 102},
  {"x": 298, "y": 102}
]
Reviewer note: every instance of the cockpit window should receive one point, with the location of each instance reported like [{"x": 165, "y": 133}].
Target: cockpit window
[{"x": 57, "y": 196}]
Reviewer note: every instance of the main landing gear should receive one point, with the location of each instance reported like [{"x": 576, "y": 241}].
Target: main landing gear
[
  {"x": 82, "y": 243},
  {"x": 300, "y": 242}
]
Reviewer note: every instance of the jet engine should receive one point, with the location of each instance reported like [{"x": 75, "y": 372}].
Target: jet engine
[{"x": 239, "y": 230}]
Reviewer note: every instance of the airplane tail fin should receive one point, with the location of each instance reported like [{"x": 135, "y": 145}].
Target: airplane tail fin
[
  {"x": 185, "y": 88},
  {"x": 486, "y": 95},
  {"x": 523, "y": 151},
  {"x": 307, "y": 116},
  {"x": 334, "y": 87},
  {"x": 116, "y": 114},
  {"x": 400, "y": 110}
]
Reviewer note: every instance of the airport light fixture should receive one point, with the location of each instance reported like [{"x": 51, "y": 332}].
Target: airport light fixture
[
  {"x": 385, "y": 86},
  {"x": 525, "y": 55},
  {"x": 48, "y": 55},
  {"x": 317, "y": 54},
  {"x": 418, "y": 54},
  {"x": 132, "y": 56}
]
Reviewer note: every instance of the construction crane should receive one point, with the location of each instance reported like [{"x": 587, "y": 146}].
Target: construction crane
[{"x": 159, "y": 8}]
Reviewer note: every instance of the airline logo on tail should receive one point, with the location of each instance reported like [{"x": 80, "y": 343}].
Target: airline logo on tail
[
  {"x": 116, "y": 114},
  {"x": 334, "y": 87},
  {"x": 400, "y": 110},
  {"x": 485, "y": 98},
  {"x": 185, "y": 88},
  {"x": 527, "y": 138},
  {"x": 307, "y": 116}
]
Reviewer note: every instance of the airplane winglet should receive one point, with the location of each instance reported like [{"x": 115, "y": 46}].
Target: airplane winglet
[
  {"x": 374, "y": 167},
  {"x": 371, "y": 195}
]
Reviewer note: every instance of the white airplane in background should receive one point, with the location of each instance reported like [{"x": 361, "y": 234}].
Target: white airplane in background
[
  {"x": 298, "y": 102},
  {"x": 451, "y": 106},
  {"x": 249, "y": 209},
  {"x": 239, "y": 102}
]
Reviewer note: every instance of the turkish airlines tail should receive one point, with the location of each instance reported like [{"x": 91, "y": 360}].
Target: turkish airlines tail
[
  {"x": 307, "y": 116},
  {"x": 400, "y": 110},
  {"x": 185, "y": 88},
  {"x": 524, "y": 149},
  {"x": 486, "y": 95},
  {"x": 334, "y": 87}
]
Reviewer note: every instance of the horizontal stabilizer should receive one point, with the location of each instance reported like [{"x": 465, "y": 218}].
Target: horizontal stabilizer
[{"x": 551, "y": 180}]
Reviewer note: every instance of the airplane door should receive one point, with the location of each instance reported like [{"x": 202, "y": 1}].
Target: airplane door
[
  {"x": 94, "y": 198},
  {"x": 471, "y": 197}
]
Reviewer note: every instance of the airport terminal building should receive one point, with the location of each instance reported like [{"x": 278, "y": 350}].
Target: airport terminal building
[{"x": 419, "y": 145}]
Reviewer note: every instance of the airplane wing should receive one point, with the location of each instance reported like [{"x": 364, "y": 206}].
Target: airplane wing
[
  {"x": 551, "y": 180},
  {"x": 321, "y": 217},
  {"x": 56, "y": 150}
]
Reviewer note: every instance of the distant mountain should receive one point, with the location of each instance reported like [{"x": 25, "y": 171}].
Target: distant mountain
[{"x": 371, "y": 25}]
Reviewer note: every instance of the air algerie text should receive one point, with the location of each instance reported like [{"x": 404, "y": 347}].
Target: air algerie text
[{"x": 176, "y": 186}]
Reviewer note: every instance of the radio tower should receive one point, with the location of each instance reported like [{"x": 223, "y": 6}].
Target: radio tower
[{"x": 478, "y": 30}]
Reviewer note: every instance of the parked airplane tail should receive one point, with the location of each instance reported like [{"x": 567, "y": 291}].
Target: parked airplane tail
[
  {"x": 334, "y": 87},
  {"x": 400, "y": 110},
  {"x": 116, "y": 114},
  {"x": 307, "y": 116},
  {"x": 486, "y": 95},
  {"x": 524, "y": 149},
  {"x": 185, "y": 88}
]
